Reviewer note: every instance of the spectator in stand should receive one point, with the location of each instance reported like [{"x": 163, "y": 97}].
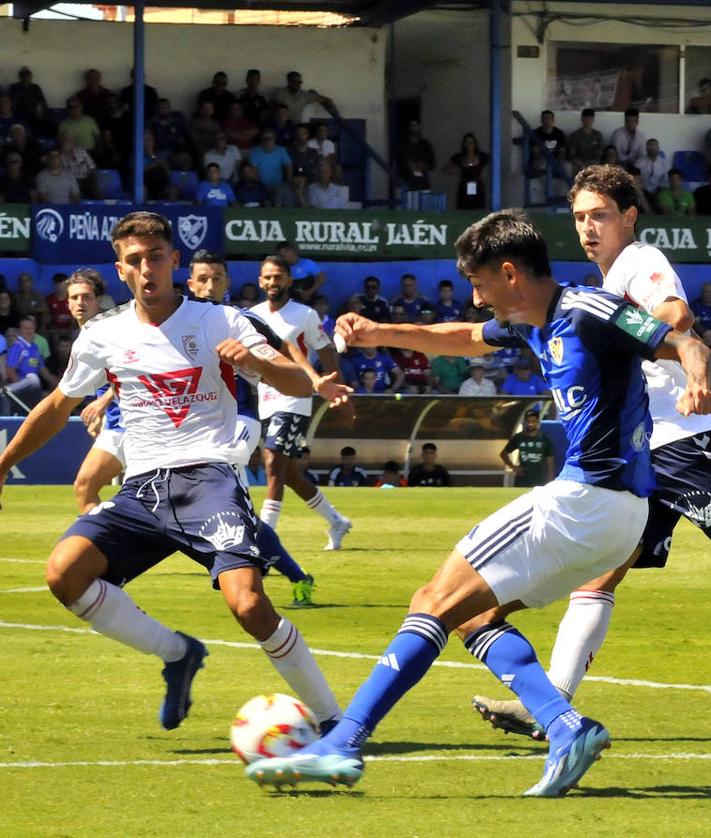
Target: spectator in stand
[
  {"x": 58, "y": 360},
  {"x": 448, "y": 372},
  {"x": 391, "y": 477},
  {"x": 271, "y": 161},
  {"x": 23, "y": 143},
  {"x": 256, "y": 475},
  {"x": 203, "y": 129},
  {"x": 150, "y": 99},
  {"x": 79, "y": 163},
  {"x": 307, "y": 276},
  {"x": 702, "y": 309},
  {"x": 254, "y": 104},
  {"x": 26, "y": 371},
  {"x": 8, "y": 117},
  {"x": 610, "y": 157},
  {"x": 353, "y": 303},
  {"x": 654, "y": 171},
  {"x": 282, "y": 126},
  {"x": 447, "y": 309},
  {"x": 675, "y": 200},
  {"x": 303, "y": 463},
  {"x": 427, "y": 316},
  {"x": 56, "y": 185},
  {"x": 214, "y": 191},
  {"x": 323, "y": 192},
  {"x": 9, "y": 318},
  {"x": 94, "y": 98},
  {"x": 523, "y": 381},
  {"x": 59, "y": 318},
  {"x": 117, "y": 137},
  {"x": 296, "y": 99},
  {"x": 218, "y": 95},
  {"x": 30, "y": 302},
  {"x": 586, "y": 144},
  {"x": 366, "y": 385},
  {"x": 536, "y": 460},
  {"x": 416, "y": 369},
  {"x": 477, "y": 384},
  {"x": 469, "y": 163},
  {"x": 28, "y": 100},
  {"x": 644, "y": 208},
  {"x": 553, "y": 139},
  {"x": 240, "y": 129},
  {"x": 156, "y": 172},
  {"x": 293, "y": 194},
  {"x": 347, "y": 473},
  {"x": 249, "y": 294},
  {"x": 226, "y": 156},
  {"x": 416, "y": 157},
  {"x": 321, "y": 306},
  {"x": 302, "y": 155},
  {"x": 375, "y": 307},
  {"x": 249, "y": 192},
  {"x": 701, "y": 103},
  {"x": 702, "y": 199},
  {"x": 398, "y": 314},
  {"x": 410, "y": 298},
  {"x": 321, "y": 144},
  {"x": 171, "y": 138},
  {"x": 429, "y": 472},
  {"x": 628, "y": 140},
  {"x": 389, "y": 377},
  {"x": 16, "y": 186},
  {"x": 81, "y": 128}
]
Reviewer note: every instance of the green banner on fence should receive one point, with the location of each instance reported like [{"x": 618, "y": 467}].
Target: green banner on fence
[{"x": 15, "y": 228}]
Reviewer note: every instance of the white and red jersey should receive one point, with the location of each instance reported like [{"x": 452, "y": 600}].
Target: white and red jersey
[
  {"x": 642, "y": 274},
  {"x": 298, "y": 324},
  {"x": 177, "y": 397}
]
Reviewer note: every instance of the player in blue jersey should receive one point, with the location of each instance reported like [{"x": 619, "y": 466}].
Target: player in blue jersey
[{"x": 547, "y": 542}]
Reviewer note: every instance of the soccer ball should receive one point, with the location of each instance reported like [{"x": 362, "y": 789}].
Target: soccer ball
[{"x": 273, "y": 725}]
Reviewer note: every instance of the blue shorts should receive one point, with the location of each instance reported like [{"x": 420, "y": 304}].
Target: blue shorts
[
  {"x": 203, "y": 511},
  {"x": 285, "y": 433},
  {"x": 683, "y": 471}
]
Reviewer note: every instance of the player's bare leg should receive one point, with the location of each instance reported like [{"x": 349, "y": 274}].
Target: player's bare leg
[
  {"x": 275, "y": 466},
  {"x": 244, "y": 594},
  {"x": 98, "y": 470}
]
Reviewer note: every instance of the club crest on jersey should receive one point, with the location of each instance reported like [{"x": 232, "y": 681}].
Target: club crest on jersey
[
  {"x": 223, "y": 530},
  {"x": 190, "y": 346},
  {"x": 555, "y": 347},
  {"x": 192, "y": 230},
  {"x": 130, "y": 356}
]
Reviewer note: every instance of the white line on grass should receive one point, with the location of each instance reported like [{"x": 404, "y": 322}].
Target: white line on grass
[
  {"x": 21, "y": 561},
  {"x": 25, "y": 590},
  {"x": 101, "y": 763},
  {"x": 235, "y": 644}
]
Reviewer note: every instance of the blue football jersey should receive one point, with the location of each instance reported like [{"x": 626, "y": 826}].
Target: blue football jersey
[
  {"x": 590, "y": 352},
  {"x": 112, "y": 416}
]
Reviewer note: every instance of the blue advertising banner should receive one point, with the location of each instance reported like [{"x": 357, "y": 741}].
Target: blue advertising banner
[
  {"x": 57, "y": 463},
  {"x": 81, "y": 233}
]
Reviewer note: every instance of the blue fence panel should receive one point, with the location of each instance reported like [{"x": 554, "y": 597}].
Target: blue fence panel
[{"x": 55, "y": 464}]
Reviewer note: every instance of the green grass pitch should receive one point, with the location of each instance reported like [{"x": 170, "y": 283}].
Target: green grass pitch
[{"x": 83, "y": 754}]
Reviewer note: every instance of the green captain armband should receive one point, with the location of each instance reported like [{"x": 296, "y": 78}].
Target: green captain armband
[{"x": 637, "y": 323}]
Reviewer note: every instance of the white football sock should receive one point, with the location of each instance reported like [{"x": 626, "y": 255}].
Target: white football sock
[
  {"x": 319, "y": 503},
  {"x": 293, "y": 660},
  {"x": 112, "y": 613},
  {"x": 271, "y": 510},
  {"x": 580, "y": 635}
]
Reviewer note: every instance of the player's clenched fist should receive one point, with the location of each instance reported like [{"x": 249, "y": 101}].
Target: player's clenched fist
[{"x": 356, "y": 330}]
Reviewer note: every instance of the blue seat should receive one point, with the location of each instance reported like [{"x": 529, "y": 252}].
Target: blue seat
[
  {"x": 109, "y": 183},
  {"x": 186, "y": 183},
  {"x": 692, "y": 163}
]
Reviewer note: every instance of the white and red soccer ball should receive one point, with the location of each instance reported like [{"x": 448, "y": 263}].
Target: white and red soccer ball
[{"x": 274, "y": 725}]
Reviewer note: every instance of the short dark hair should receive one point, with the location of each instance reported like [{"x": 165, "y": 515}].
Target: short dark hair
[
  {"x": 408, "y": 276},
  {"x": 372, "y": 279},
  {"x": 288, "y": 246},
  {"x": 59, "y": 277},
  {"x": 445, "y": 283},
  {"x": 207, "y": 257},
  {"x": 253, "y": 71},
  {"x": 587, "y": 112},
  {"x": 611, "y": 181},
  {"x": 508, "y": 234},
  {"x": 429, "y": 446},
  {"x": 292, "y": 74},
  {"x": 212, "y": 166},
  {"x": 532, "y": 412},
  {"x": 543, "y": 113},
  {"x": 391, "y": 465},
  {"x": 676, "y": 172},
  {"x": 141, "y": 224},
  {"x": 86, "y": 276},
  {"x": 279, "y": 261},
  {"x": 631, "y": 112},
  {"x": 348, "y": 451}
]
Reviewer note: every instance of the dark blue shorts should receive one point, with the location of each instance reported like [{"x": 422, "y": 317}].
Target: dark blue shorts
[
  {"x": 683, "y": 471},
  {"x": 203, "y": 511},
  {"x": 285, "y": 433}
]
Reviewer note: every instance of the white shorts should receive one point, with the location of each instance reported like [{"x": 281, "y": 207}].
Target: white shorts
[
  {"x": 111, "y": 441},
  {"x": 553, "y": 539}
]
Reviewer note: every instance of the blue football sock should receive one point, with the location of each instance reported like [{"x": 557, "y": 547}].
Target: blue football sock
[
  {"x": 271, "y": 548},
  {"x": 507, "y": 653},
  {"x": 412, "y": 651}
]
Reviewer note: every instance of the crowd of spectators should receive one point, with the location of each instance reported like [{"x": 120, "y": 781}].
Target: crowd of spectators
[
  {"x": 664, "y": 187},
  {"x": 244, "y": 148}
]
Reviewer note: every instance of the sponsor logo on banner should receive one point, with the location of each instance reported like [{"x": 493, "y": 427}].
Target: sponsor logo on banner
[
  {"x": 15, "y": 227},
  {"x": 192, "y": 230},
  {"x": 49, "y": 225}
]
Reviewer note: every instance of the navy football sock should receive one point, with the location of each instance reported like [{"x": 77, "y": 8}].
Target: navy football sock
[
  {"x": 270, "y": 547},
  {"x": 412, "y": 651},
  {"x": 507, "y": 653}
]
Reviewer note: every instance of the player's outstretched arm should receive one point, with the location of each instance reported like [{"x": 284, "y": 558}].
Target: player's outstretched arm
[
  {"x": 695, "y": 357},
  {"x": 43, "y": 422},
  {"x": 464, "y": 339}
]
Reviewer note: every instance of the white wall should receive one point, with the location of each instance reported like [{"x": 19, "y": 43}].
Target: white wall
[{"x": 346, "y": 64}]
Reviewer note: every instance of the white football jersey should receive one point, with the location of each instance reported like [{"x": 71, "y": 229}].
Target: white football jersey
[
  {"x": 177, "y": 397},
  {"x": 642, "y": 274},
  {"x": 298, "y": 324}
]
